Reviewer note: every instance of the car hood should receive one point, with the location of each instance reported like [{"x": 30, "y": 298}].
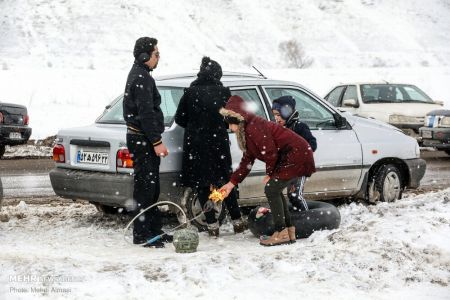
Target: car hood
[
  {"x": 368, "y": 122},
  {"x": 374, "y": 134},
  {"x": 403, "y": 109}
]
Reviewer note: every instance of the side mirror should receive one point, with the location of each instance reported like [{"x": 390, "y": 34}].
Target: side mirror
[
  {"x": 350, "y": 103},
  {"x": 339, "y": 121},
  {"x": 108, "y": 106},
  {"x": 441, "y": 103}
]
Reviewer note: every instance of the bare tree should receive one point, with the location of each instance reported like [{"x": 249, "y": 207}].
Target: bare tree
[{"x": 295, "y": 55}]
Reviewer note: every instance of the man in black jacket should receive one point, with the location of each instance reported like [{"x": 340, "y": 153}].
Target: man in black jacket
[
  {"x": 286, "y": 115},
  {"x": 145, "y": 124}
]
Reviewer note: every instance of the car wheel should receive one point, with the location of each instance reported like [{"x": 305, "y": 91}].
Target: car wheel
[
  {"x": 194, "y": 209},
  {"x": 388, "y": 183},
  {"x": 2, "y": 150},
  {"x": 447, "y": 151}
]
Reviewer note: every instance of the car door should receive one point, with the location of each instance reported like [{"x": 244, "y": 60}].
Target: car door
[
  {"x": 252, "y": 188},
  {"x": 338, "y": 157}
]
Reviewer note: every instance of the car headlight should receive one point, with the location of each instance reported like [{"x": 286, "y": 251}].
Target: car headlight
[
  {"x": 444, "y": 122},
  {"x": 399, "y": 119}
]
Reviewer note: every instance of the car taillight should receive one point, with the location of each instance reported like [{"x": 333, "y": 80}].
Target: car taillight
[
  {"x": 59, "y": 154},
  {"x": 124, "y": 159},
  {"x": 26, "y": 120}
]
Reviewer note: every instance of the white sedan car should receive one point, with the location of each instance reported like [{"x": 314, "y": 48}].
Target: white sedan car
[
  {"x": 401, "y": 105},
  {"x": 355, "y": 157}
]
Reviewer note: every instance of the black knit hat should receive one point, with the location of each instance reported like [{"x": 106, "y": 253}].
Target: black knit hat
[
  {"x": 144, "y": 45},
  {"x": 285, "y": 105},
  {"x": 210, "y": 69}
]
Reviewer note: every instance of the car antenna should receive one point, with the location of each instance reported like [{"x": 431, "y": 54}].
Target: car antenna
[{"x": 262, "y": 75}]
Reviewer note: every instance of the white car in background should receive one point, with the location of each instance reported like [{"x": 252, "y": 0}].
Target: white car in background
[
  {"x": 356, "y": 157},
  {"x": 401, "y": 105}
]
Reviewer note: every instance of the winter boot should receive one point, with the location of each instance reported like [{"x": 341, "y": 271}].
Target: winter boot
[
  {"x": 291, "y": 231},
  {"x": 239, "y": 225},
  {"x": 213, "y": 229},
  {"x": 277, "y": 238}
]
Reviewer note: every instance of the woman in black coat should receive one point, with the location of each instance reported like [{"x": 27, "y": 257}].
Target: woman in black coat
[{"x": 206, "y": 147}]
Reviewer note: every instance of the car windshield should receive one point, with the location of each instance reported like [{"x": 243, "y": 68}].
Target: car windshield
[
  {"x": 395, "y": 93},
  {"x": 170, "y": 97}
]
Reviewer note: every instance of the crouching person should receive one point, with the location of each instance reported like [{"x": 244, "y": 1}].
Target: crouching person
[{"x": 286, "y": 155}]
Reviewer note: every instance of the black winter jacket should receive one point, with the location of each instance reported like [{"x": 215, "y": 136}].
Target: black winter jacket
[
  {"x": 206, "y": 148},
  {"x": 301, "y": 129},
  {"x": 141, "y": 104}
]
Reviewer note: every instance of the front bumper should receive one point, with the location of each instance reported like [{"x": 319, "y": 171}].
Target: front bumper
[
  {"x": 436, "y": 137},
  {"x": 6, "y": 130},
  {"x": 416, "y": 168},
  {"x": 113, "y": 189}
]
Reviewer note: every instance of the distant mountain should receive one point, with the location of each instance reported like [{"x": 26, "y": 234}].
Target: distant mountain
[{"x": 81, "y": 34}]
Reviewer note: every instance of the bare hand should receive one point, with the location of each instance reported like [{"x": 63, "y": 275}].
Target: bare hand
[
  {"x": 161, "y": 150},
  {"x": 266, "y": 179},
  {"x": 226, "y": 189}
]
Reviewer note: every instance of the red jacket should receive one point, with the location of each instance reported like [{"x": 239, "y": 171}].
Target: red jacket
[{"x": 286, "y": 154}]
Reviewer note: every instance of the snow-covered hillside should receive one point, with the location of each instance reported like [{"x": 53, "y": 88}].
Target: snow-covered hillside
[{"x": 83, "y": 34}]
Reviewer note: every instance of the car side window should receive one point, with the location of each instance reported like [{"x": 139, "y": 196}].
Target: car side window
[
  {"x": 170, "y": 98},
  {"x": 334, "y": 96},
  {"x": 350, "y": 93},
  {"x": 311, "y": 111},
  {"x": 253, "y": 99}
]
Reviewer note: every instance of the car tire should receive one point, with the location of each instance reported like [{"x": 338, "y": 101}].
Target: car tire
[
  {"x": 193, "y": 209},
  {"x": 388, "y": 183},
  {"x": 106, "y": 209},
  {"x": 2, "y": 150},
  {"x": 447, "y": 151}
]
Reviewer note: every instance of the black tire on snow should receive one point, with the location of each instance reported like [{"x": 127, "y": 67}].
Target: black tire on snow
[
  {"x": 388, "y": 182},
  {"x": 320, "y": 216},
  {"x": 106, "y": 209},
  {"x": 194, "y": 208}
]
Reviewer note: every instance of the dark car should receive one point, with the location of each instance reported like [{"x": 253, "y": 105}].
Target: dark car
[
  {"x": 436, "y": 130},
  {"x": 14, "y": 128}
]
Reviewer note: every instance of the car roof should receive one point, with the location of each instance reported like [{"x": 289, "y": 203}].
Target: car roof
[
  {"x": 228, "y": 79},
  {"x": 373, "y": 82}
]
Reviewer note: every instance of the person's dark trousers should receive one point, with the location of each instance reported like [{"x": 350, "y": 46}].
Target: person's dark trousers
[
  {"x": 278, "y": 203},
  {"x": 146, "y": 187},
  {"x": 230, "y": 202},
  {"x": 295, "y": 194}
]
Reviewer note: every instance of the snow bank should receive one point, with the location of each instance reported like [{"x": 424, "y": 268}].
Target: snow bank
[{"x": 386, "y": 251}]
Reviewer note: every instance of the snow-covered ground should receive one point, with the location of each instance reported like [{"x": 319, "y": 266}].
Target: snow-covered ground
[
  {"x": 395, "y": 250},
  {"x": 65, "y": 60}
]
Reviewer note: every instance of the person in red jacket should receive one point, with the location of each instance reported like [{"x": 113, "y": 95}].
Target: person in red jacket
[{"x": 286, "y": 154}]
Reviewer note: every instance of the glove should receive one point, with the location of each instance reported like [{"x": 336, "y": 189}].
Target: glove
[{"x": 209, "y": 205}]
